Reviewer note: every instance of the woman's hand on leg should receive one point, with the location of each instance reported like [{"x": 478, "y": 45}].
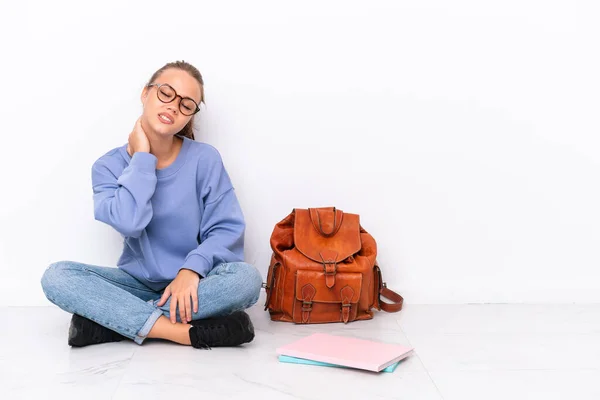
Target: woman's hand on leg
[{"x": 183, "y": 288}]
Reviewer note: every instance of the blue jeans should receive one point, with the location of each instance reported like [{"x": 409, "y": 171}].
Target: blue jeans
[{"x": 114, "y": 299}]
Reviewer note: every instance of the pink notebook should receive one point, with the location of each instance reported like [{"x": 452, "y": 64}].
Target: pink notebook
[{"x": 346, "y": 351}]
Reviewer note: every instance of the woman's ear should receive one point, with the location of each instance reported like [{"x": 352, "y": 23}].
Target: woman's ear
[{"x": 144, "y": 95}]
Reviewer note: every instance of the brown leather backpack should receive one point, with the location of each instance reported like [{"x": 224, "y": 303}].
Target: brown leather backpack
[{"x": 324, "y": 269}]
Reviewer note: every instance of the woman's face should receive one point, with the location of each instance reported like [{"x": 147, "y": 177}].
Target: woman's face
[{"x": 166, "y": 119}]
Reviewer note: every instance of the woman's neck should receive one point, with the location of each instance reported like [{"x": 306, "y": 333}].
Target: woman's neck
[{"x": 165, "y": 149}]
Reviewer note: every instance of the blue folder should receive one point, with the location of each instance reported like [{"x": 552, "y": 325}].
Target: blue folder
[{"x": 294, "y": 360}]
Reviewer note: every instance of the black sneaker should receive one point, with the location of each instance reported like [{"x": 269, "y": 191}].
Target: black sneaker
[
  {"x": 231, "y": 330},
  {"x": 83, "y": 332}
]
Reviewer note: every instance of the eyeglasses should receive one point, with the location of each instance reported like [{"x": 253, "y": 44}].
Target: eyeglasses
[{"x": 167, "y": 94}]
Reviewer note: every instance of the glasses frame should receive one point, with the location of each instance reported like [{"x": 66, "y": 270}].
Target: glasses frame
[{"x": 159, "y": 85}]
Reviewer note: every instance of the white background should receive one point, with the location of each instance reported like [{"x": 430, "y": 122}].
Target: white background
[{"x": 465, "y": 133}]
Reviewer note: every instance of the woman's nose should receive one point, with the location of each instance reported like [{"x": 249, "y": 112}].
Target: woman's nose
[{"x": 173, "y": 108}]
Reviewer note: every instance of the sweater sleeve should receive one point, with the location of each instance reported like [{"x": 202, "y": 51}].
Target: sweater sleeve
[
  {"x": 124, "y": 202},
  {"x": 222, "y": 227}
]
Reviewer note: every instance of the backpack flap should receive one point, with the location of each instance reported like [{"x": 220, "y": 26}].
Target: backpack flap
[{"x": 327, "y": 236}]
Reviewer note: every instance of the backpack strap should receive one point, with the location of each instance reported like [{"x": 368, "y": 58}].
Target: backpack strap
[
  {"x": 268, "y": 286},
  {"x": 388, "y": 294}
]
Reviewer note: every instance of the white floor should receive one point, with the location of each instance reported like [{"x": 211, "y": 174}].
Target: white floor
[{"x": 481, "y": 352}]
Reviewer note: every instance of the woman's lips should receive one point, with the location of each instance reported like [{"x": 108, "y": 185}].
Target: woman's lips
[{"x": 165, "y": 119}]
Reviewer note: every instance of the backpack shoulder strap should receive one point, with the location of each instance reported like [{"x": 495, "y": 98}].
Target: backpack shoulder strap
[{"x": 397, "y": 300}]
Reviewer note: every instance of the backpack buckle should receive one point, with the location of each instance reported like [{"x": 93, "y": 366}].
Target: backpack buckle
[{"x": 330, "y": 268}]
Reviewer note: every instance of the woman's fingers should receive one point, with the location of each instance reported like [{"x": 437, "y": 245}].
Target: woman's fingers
[
  {"x": 173, "y": 309},
  {"x": 184, "y": 299},
  {"x": 188, "y": 308},
  {"x": 195, "y": 300},
  {"x": 164, "y": 297},
  {"x": 138, "y": 123},
  {"x": 182, "y": 312},
  {"x": 138, "y": 141}
]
